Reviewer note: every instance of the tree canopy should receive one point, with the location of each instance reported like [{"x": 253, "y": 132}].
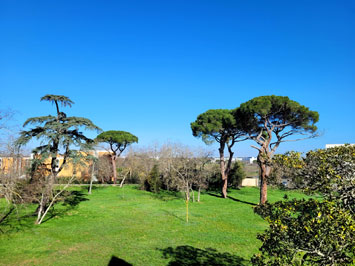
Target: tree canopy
[
  {"x": 269, "y": 120},
  {"x": 55, "y": 99},
  {"x": 118, "y": 141},
  {"x": 219, "y": 125},
  {"x": 314, "y": 231},
  {"x": 214, "y": 125},
  {"x": 275, "y": 114},
  {"x": 57, "y": 133}
]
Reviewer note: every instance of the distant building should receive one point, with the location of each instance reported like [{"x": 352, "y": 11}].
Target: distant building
[
  {"x": 19, "y": 164},
  {"x": 246, "y": 159},
  {"x": 16, "y": 164},
  {"x": 250, "y": 182},
  {"x": 241, "y": 159}
]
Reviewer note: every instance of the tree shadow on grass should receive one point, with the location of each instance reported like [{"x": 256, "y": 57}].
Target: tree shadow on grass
[
  {"x": 114, "y": 261},
  {"x": 165, "y": 195},
  {"x": 94, "y": 187},
  {"x": 5, "y": 219},
  {"x": 234, "y": 199},
  {"x": 70, "y": 200},
  {"x": 6, "y": 214},
  {"x": 188, "y": 255},
  {"x": 17, "y": 219},
  {"x": 242, "y": 201},
  {"x": 23, "y": 216},
  {"x": 215, "y": 195},
  {"x": 73, "y": 198},
  {"x": 173, "y": 215}
]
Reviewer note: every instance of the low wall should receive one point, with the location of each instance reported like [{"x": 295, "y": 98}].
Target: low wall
[{"x": 250, "y": 182}]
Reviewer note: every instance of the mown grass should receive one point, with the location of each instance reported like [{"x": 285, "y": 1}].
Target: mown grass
[{"x": 138, "y": 227}]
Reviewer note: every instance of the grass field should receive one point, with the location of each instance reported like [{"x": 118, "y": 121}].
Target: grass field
[{"x": 125, "y": 224}]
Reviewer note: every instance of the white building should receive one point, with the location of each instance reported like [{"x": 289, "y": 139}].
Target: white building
[
  {"x": 241, "y": 159},
  {"x": 246, "y": 159}
]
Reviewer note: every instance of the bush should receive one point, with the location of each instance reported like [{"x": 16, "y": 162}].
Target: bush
[
  {"x": 306, "y": 232},
  {"x": 153, "y": 181},
  {"x": 235, "y": 177},
  {"x": 285, "y": 168},
  {"x": 312, "y": 232}
]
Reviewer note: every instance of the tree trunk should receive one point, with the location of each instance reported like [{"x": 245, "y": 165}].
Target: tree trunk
[
  {"x": 263, "y": 188},
  {"x": 44, "y": 209},
  {"x": 225, "y": 185},
  {"x": 187, "y": 191},
  {"x": 264, "y": 175},
  {"x": 198, "y": 194},
  {"x": 113, "y": 160},
  {"x": 223, "y": 170},
  {"x": 92, "y": 176},
  {"x": 187, "y": 211},
  {"x": 39, "y": 210},
  {"x": 90, "y": 187},
  {"x": 46, "y": 196},
  {"x": 124, "y": 178}
]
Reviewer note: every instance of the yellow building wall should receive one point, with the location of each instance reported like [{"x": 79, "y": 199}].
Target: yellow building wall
[
  {"x": 83, "y": 170},
  {"x": 11, "y": 164}
]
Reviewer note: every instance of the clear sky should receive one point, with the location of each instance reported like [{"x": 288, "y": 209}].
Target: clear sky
[{"x": 150, "y": 67}]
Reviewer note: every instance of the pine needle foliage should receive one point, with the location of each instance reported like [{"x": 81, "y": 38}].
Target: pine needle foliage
[{"x": 57, "y": 133}]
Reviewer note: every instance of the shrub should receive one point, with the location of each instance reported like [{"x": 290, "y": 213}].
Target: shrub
[
  {"x": 312, "y": 232},
  {"x": 306, "y": 232},
  {"x": 153, "y": 181},
  {"x": 235, "y": 177}
]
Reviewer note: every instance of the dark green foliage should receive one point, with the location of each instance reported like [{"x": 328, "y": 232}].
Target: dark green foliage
[
  {"x": 118, "y": 140},
  {"x": 214, "y": 125},
  {"x": 54, "y": 99},
  {"x": 269, "y": 120},
  {"x": 64, "y": 130},
  {"x": 285, "y": 167},
  {"x": 236, "y": 175},
  {"x": 306, "y": 232},
  {"x": 57, "y": 132},
  {"x": 153, "y": 182},
  {"x": 331, "y": 172},
  {"x": 313, "y": 232},
  {"x": 277, "y": 111},
  {"x": 219, "y": 125}
]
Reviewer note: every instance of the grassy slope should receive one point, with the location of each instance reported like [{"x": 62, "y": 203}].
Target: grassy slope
[{"x": 136, "y": 226}]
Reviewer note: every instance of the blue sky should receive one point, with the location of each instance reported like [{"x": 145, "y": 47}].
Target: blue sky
[{"x": 150, "y": 67}]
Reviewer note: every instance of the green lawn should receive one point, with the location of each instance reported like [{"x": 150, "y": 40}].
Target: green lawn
[{"x": 139, "y": 228}]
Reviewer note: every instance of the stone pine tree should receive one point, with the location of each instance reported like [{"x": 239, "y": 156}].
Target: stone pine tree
[
  {"x": 219, "y": 125},
  {"x": 118, "y": 141},
  {"x": 271, "y": 120},
  {"x": 57, "y": 134}
]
